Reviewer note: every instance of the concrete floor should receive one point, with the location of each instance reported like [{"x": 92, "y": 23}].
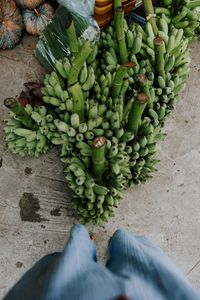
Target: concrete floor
[{"x": 167, "y": 209}]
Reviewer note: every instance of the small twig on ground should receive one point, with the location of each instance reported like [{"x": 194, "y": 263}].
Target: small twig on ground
[{"x": 10, "y": 58}]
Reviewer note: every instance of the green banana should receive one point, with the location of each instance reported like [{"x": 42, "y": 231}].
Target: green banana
[
  {"x": 83, "y": 74},
  {"x": 90, "y": 80},
  {"x": 60, "y": 68},
  {"x": 75, "y": 121}
]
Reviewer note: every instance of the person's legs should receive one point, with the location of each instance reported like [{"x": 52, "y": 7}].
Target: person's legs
[
  {"x": 78, "y": 256},
  {"x": 54, "y": 270},
  {"x": 135, "y": 257},
  {"x": 136, "y": 269},
  {"x": 33, "y": 284},
  {"x": 77, "y": 276},
  {"x": 72, "y": 275},
  {"x": 132, "y": 250}
]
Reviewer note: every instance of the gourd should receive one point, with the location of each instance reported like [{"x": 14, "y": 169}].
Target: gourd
[
  {"x": 11, "y": 24},
  {"x": 36, "y": 20},
  {"x": 31, "y": 4}
]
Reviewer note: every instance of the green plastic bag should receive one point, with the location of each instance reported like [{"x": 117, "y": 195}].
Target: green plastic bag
[{"x": 53, "y": 43}]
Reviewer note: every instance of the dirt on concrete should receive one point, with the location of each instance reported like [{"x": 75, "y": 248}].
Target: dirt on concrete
[
  {"x": 19, "y": 264},
  {"x": 55, "y": 212},
  {"x": 29, "y": 205},
  {"x": 28, "y": 171}
]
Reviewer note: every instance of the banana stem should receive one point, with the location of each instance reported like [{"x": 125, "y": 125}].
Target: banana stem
[
  {"x": 144, "y": 84},
  {"x": 78, "y": 100},
  {"x": 119, "y": 76},
  {"x": 98, "y": 157},
  {"x": 119, "y": 28},
  {"x": 159, "y": 56},
  {"x": 136, "y": 112},
  {"x": 150, "y": 14},
  {"x": 37, "y": 13},
  {"x": 72, "y": 36},
  {"x": 78, "y": 63},
  {"x": 14, "y": 106},
  {"x": 117, "y": 3}
]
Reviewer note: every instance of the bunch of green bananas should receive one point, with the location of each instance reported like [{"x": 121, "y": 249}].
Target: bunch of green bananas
[
  {"x": 162, "y": 88},
  {"x": 170, "y": 81},
  {"x": 110, "y": 114},
  {"x": 24, "y": 141},
  {"x": 121, "y": 92},
  {"x": 55, "y": 89},
  {"x": 182, "y": 14},
  {"x": 95, "y": 201}
]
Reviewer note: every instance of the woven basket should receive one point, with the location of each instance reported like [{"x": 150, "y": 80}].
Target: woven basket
[{"x": 104, "y": 10}]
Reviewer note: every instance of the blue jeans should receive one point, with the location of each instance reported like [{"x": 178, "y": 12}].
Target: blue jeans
[{"x": 136, "y": 270}]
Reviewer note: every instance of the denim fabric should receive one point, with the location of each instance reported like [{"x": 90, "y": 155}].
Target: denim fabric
[{"x": 136, "y": 269}]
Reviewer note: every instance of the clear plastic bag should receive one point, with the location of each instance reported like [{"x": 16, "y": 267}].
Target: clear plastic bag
[{"x": 84, "y": 8}]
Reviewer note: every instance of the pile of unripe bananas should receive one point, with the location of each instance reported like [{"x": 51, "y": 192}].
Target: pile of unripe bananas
[
  {"x": 105, "y": 105},
  {"x": 182, "y": 14},
  {"x": 24, "y": 130}
]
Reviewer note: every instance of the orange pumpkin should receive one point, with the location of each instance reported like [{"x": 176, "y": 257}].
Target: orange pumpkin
[
  {"x": 29, "y": 3},
  {"x": 36, "y": 20},
  {"x": 11, "y": 24}
]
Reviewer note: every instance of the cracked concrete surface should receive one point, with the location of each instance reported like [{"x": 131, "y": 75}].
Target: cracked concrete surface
[{"x": 166, "y": 210}]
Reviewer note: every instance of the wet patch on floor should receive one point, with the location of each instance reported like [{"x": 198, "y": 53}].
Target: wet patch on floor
[{"x": 29, "y": 206}]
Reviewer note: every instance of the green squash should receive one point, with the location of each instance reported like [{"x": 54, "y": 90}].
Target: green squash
[
  {"x": 29, "y": 3},
  {"x": 11, "y": 25},
  {"x": 36, "y": 20}
]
